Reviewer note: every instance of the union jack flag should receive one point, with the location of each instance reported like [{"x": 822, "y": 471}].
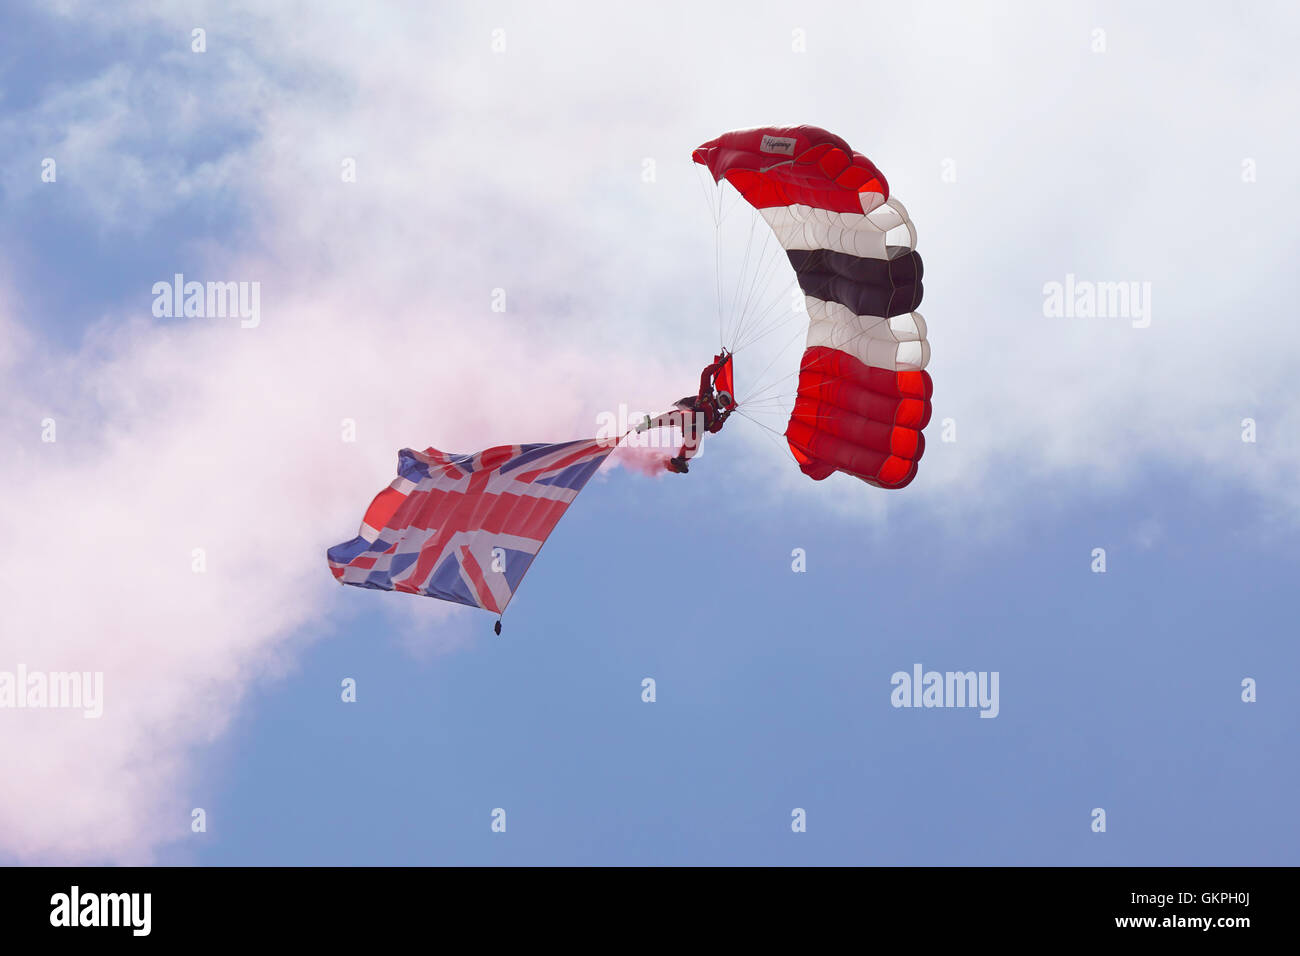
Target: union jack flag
[{"x": 465, "y": 528}]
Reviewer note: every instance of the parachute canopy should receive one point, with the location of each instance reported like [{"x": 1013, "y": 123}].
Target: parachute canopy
[{"x": 863, "y": 394}]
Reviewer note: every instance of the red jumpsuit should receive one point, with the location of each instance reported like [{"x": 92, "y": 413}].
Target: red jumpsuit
[{"x": 697, "y": 414}]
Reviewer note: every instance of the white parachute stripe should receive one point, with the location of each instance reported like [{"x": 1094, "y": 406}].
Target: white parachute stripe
[
  {"x": 897, "y": 343},
  {"x": 856, "y": 234},
  {"x": 908, "y": 327}
]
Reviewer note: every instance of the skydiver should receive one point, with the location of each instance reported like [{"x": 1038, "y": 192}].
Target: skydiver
[{"x": 706, "y": 411}]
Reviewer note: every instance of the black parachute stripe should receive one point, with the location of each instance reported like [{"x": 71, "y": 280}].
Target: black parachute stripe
[{"x": 885, "y": 287}]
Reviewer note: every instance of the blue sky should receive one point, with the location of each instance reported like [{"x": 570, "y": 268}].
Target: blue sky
[
  {"x": 523, "y": 170},
  {"x": 1117, "y": 691}
]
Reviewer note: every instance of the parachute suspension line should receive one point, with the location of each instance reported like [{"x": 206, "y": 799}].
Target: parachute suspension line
[
  {"x": 756, "y": 320},
  {"x": 758, "y": 423},
  {"x": 755, "y": 275},
  {"x": 725, "y": 311},
  {"x": 713, "y": 199},
  {"x": 719, "y": 210},
  {"x": 761, "y": 389},
  {"x": 714, "y": 206},
  {"x": 735, "y": 296},
  {"x": 735, "y": 200},
  {"x": 719, "y": 216},
  {"x": 740, "y": 323},
  {"x": 761, "y": 327},
  {"x": 756, "y": 327},
  {"x": 778, "y": 323},
  {"x": 752, "y": 280},
  {"x": 763, "y": 276},
  {"x": 768, "y": 390},
  {"x": 774, "y": 436}
]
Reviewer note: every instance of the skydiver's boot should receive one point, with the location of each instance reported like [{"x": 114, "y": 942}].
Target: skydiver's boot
[{"x": 677, "y": 465}]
